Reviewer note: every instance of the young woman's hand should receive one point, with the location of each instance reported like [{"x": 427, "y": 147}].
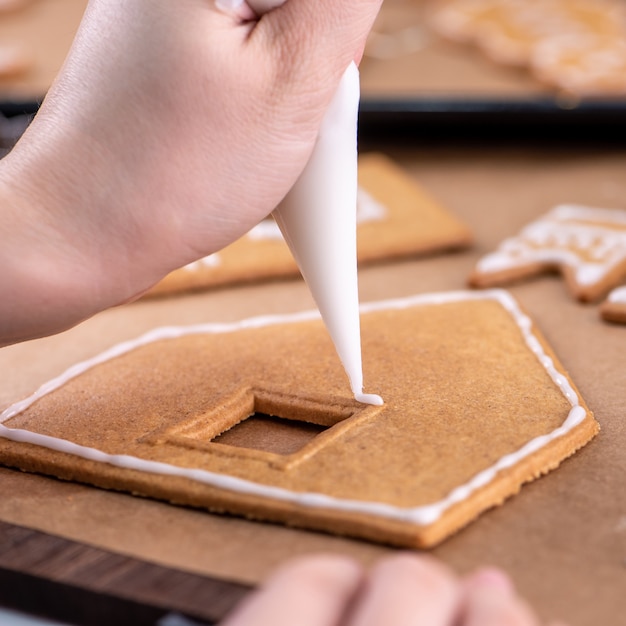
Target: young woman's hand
[
  {"x": 401, "y": 590},
  {"x": 171, "y": 130}
]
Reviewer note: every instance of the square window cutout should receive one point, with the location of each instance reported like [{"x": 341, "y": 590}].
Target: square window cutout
[{"x": 263, "y": 425}]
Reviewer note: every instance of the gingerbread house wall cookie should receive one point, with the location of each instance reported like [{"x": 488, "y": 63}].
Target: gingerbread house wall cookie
[{"x": 256, "y": 418}]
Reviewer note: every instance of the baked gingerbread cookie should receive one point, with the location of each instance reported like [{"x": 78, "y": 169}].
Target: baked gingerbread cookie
[
  {"x": 395, "y": 218},
  {"x": 576, "y": 46},
  {"x": 586, "y": 245},
  {"x": 256, "y": 418},
  {"x": 500, "y": 29},
  {"x": 613, "y": 309}
]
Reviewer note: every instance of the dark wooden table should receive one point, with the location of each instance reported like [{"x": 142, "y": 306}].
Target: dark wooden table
[{"x": 58, "y": 579}]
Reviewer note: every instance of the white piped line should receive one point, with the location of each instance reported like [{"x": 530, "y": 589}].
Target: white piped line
[{"x": 421, "y": 515}]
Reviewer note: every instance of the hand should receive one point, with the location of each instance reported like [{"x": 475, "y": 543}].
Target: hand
[
  {"x": 172, "y": 129},
  {"x": 402, "y": 590}
]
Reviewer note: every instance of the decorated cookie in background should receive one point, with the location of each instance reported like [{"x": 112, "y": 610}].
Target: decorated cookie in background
[
  {"x": 396, "y": 218},
  {"x": 267, "y": 427},
  {"x": 505, "y": 32},
  {"x": 595, "y": 65},
  {"x": 586, "y": 245},
  {"x": 574, "y": 45},
  {"x": 613, "y": 309}
]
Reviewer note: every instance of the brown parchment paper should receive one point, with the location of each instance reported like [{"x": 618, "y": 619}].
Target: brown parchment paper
[{"x": 563, "y": 538}]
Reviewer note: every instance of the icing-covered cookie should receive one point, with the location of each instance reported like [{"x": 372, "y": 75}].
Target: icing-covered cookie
[
  {"x": 574, "y": 45},
  {"x": 583, "y": 66},
  {"x": 586, "y": 245},
  {"x": 476, "y": 404},
  {"x": 613, "y": 309},
  {"x": 396, "y": 218}
]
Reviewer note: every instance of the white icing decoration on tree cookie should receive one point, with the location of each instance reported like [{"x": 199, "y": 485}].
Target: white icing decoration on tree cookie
[
  {"x": 590, "y": 241},
  {"x": 420, "y": 515},
  {"x": 618, "y": 296}
]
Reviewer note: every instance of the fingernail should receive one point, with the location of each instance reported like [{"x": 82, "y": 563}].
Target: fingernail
[
  {"x": 493, "y": 578},
  {"x": 228, "y": 6}
]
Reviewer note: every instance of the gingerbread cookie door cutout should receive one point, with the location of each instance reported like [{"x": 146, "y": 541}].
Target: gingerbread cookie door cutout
[
  {"x": 278, "y": 429},
  {"x": 476, "y": 404}
]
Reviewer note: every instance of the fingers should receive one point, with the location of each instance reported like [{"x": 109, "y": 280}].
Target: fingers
[
  {"x": 401, "y": 590},
  {"x": 308, "y": 592},
  {"x": 329, "y": 32},
  {"x": 490, "y": 600},
  {"x": 407, "y": 590},
  {"x": 236, "y": 7}
]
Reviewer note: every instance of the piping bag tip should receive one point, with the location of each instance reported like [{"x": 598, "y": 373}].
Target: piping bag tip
[
  {"x": 369, "y": 398},
  {"x": 318, "y": 220}
]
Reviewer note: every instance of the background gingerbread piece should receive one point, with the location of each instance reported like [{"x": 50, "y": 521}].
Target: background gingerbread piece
[
  {"x": 613, "y": 309},
  {"x": 574, "y": 45},
  {"x": 587, "y": 245},
  {"x": 476, "y": 404},
  {"x": 396, "y": 218}
]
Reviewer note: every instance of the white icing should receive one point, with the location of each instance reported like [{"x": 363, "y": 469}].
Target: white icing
[
  {"x": 590, "y": 241},
  {"x": 618, "y": 296},
  {"x": 368, "y": 209},
  {"x": 213, "y": 260},
  {"x": 265, "y": 229},
  {"x": 420, "y": 515},
  {"x": 318, "y": 221}
]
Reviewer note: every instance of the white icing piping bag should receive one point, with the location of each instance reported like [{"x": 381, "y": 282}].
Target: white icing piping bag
[{"x": 318, "y": 221}]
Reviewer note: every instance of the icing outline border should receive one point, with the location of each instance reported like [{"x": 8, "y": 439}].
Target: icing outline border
[{"x": 421, "y": 515}]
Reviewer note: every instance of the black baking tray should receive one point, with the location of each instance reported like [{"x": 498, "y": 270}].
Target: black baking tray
[
  {"x": 479, "y": 118},
  {"x": 494, "y": 118},
  {"x": 10, "y": 108}
]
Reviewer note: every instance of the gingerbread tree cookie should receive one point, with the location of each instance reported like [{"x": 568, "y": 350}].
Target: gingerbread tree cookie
[
  {"x": 586, "y": 245},
  {"x": 613, "y": 309}
]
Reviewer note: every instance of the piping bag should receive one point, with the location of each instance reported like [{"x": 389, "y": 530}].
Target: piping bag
[{"x": 318, "y": 221}]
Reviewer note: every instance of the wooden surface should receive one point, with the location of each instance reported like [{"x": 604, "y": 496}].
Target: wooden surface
[{"x": 55, "y": 578}]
